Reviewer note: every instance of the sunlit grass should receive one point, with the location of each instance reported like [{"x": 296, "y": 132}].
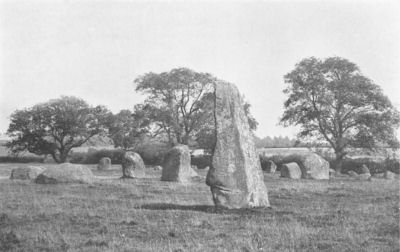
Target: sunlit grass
[{"x": 150, "y": 215}]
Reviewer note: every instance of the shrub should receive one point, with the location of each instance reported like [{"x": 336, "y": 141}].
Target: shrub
[
  {"x": 93, "y": 156},
  {"x": 374, "y": 167},
  {"x": 201, "y": 161},
  {"x": 279, "y": 160},
  {"x": 326, "y": 153},
  {"x": 153, "y": 152},
  {"x": 152, "y": 157},
  {"x": 21, "y": 159},
  {"x": 265, "y": 163},
  {"x": 116, "y": 155},
  {"x": 77, "y": 157},
  {"x": 392, "y": 165}
]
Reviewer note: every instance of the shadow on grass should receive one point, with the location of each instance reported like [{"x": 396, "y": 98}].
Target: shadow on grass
[
  {"x": 167, "y": 206},
  {"x": 206, "y": 209}
]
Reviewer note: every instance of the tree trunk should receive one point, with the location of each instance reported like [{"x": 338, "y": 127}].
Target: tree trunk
[
  {"x": 61, "y": 157},
  {"x": 178, "y": 137},
  {"x": 185, "y": 139},
  {"x": 339, "y": 160},
  {"x": 338, "y": 164},
  {"x": 55, "y": 157}
]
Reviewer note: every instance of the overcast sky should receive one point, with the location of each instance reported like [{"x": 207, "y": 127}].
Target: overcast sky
[{"x": 95, "y": 49}]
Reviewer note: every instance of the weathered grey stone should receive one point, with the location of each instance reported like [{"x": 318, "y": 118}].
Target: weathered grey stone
[
  {"x": 291, "y": 170},
  {"x": 133, "y": 166},
  {"x": 314, "y": 167},
  {"x": 379, "y": 175},
  {"x": 30, "y": 172},
  {"x": 364, "y": 169},
  {"x": 364, "y": 176},
  {"x": 104, "y": 164},
  {"x": 235, "y": 178},
  {"x": 65, "y": 173},
  {"x": 268, "y": 166},
  {"x": 273, "y": 167},
  {"x": 176, "y": 165},
  {"x": 352, "y": 174},
  {"x": 389, "y": 175},
  {"x": 157, "y": 168},
  {"x": 193, "y": 172}
]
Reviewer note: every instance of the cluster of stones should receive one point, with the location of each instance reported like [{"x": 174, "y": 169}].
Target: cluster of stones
[{"x": 235, "y": 177}]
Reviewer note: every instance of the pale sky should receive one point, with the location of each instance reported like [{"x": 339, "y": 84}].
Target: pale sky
[{"x": 95, "y": 49}]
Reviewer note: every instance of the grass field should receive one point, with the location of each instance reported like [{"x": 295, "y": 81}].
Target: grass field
[{"x": 342, "y": 214}]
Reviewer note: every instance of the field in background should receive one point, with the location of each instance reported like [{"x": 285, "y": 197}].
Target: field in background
[
  {"x": 341, "y": 214},
  {"x": 328, "y": 153}
]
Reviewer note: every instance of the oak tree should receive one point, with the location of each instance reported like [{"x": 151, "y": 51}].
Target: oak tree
[
  {"x": 174, "y": 101},
  {"x": 55, "y": 127},
  {"x": 331, "y": 100}
]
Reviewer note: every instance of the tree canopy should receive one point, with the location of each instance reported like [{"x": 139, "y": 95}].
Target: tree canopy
[
  {"x": 56, "y": 126},
  {"x": 331, "y": 100},
  {"x": 128, "y": 128},
  {"x": 180, "y": 104},
  {"x": 175, "y": 102}
]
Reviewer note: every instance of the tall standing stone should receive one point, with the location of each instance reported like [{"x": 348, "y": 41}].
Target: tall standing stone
[
  {"x": 235, "y": 178},
  {"x": 177, "y": 166},
  {"x": 133, "y": 166}
]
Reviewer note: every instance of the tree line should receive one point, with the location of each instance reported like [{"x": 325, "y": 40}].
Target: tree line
[
  {"x": 275, "y": 142},
  {"x": 331, "y": 100}
]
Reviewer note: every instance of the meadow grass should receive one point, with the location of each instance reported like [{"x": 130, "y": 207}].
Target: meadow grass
[{"x": 115, "y": 214}]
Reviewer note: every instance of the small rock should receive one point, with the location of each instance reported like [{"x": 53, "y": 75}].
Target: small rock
[
  {"x": 365, "y": 176},
  {"x": 352, "y": 174},
  {"x": 389, "y": 175},
  {"x": 379, "y": 175},
  {"x": 272, "y": 166},
  {"x": 30, "y": 172},
  {"x": 104, "y": 164},
  {"x": 157, "y": 168},
  {"x": 364, "y": 169}
]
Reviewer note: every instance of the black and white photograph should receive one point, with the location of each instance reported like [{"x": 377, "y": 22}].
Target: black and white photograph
[{"x": 199, "y": 125}]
